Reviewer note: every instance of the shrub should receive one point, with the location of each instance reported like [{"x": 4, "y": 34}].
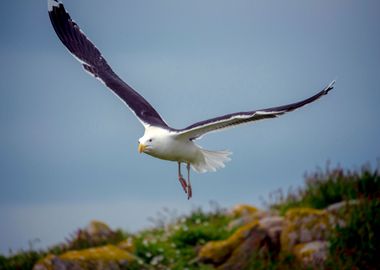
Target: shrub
[
  {"x": 324, "y": 188},
  {"x": 20, "y": 261}
]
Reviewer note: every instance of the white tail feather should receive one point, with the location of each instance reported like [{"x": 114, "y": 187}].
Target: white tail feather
[{"x": 212, "y": 161}]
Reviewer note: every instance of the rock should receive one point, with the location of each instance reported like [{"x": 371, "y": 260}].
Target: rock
[
  {"x": 98, "y": 229},
  {"x": 269, "y": 221},
  {"x": 241, "y": 221},
  {"x": 312, "y": 254},
  {"x": 107, "y": 257},
  {"x": 341, "y": 211},
  {"x": 341, "y": 206},
  {"x": 94, "y": 234},
  {"x": 304, "y": 225},
  {"x": 273, "y": 226},
  {"x": 247, "y": 216}
]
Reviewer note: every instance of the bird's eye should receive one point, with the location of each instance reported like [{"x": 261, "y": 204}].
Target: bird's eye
[{"x": 150, "y": 140}]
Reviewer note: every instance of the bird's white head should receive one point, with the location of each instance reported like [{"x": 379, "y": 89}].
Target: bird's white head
[
  {"x": 146, "y": 144},
  {"x": 153, "y": 140}
]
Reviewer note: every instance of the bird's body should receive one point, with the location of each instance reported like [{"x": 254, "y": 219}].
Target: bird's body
[
  {"x": 169, "y": 145},
  {"x": 160, "y": 140}
]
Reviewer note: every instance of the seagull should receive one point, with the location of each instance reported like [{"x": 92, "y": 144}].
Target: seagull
[{"x": 159, "y": 139}]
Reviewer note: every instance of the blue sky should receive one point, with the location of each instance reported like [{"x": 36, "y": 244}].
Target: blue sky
[{"x": 68, "y": 147}]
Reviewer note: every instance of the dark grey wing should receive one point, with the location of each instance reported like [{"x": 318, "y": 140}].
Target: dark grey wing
[
  {"x": 196, "y": 130},
  {"x": 93, "y": 62}
]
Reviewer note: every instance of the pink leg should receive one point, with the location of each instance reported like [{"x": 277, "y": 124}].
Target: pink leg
[
  {"x": 182, "y": 180},
  {"x": 189, "y": 189}
]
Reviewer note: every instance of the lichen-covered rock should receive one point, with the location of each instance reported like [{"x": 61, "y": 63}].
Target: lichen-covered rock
[
  {"x": 271, "y": 221},
  {"x": 341, "y": 211},
  {"x": 341, "y": 206},
  {"x": 304, "y": 225},
  {"x": 96, "y": 233},
  {"x": 101, "y": 258},
  {"x": 98, "y": 229},
  {"x": 216, "y": 252},
  {"x": 256, "y": 244},
  {"x": 312, "y": 254},
  {"x": 243, "y": 210},
  {"x": 237, "y": 251},
  {"x": 240, "y": 221},
  {"x": 273, "y": 226}
]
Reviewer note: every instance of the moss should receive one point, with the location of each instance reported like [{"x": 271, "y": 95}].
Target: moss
[
  {"x": 243, "y": 209},
  {"x": 105, "y": 257},
  {"x": 217, "y": 251},
  {"x": 105, "y": 253},
  {"x": 300, "y": 252},
  {"x": 300, "y": 212},
  {"x": 256, "y": 242}
]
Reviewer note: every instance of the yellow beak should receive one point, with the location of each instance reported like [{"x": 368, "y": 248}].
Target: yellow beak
[{"x": 141, "y": 148}]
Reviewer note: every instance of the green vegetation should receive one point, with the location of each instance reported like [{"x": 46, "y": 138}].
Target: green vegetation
[
  {"x": 20, "y": 261},
  {"x": 174, "y": 241},
  {"x": 324, "y": 188},
  {"x": 358, "y": 243},
  {"x": 283, "y": 262},
  {"x": 175, "y": 245}
]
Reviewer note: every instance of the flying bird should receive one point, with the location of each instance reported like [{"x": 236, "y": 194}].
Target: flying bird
[{"x": 159, "y": 139}]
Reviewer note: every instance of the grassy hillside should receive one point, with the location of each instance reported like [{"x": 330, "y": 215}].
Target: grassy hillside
[{"x": 174, "y": 242}]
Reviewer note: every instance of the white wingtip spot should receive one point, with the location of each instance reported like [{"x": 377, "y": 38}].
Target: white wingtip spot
[
  {"x": 329, "y": 87},
  {"x": 331, "y": 84},
  {"x": 52, "y": 3}
]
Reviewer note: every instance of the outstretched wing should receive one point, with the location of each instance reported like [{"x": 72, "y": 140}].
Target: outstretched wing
[
  {"x": 93, "y": 62},
  {"x": 196, "y": 130}
]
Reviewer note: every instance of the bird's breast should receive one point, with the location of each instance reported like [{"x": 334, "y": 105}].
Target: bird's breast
[{"x": 176, "y": 150}]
